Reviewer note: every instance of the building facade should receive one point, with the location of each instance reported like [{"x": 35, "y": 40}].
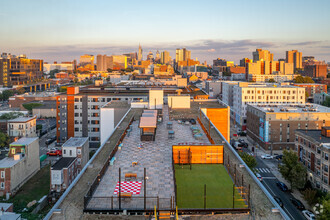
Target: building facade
[
  {"x": 20, "y": 165},
  {"x": 253, "y": 93},
  {"x": 316, "y": 71},
  {"x": 295, "y": 57},
  {"x": 62, "y": 174},
  {"x": 313, "y": 148},
  {"x": 272, "y": 126},
  {"x": 312, "y": 88},
  {"x": 182, "y": 55},
  {"x": 22, "y": 127},
  {"x": 20, "y": 70}
]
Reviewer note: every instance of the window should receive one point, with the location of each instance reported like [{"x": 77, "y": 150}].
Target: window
[
  {"x": 78, "y": 151},
  {"x": 2, "y": 174},
  {"x": 64, "y": 151},
  {"x": 70, "y": 152},
  {"x": 326, "y": 157},
  {"x": 326, "y": 168},
  {"x": 79, "y": 161},
  {"x": 318, "y": 150},
  {"x": 2, "y": 185},
  {"x": 13, "y": 151}
]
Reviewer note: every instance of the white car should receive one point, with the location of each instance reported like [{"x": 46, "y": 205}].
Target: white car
[
  {"x": 266, "y": 156},
  {"x": 308, "y": 214}
]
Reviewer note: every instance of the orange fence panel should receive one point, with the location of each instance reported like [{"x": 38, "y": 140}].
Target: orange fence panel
[{"x": 198, "y": 154}]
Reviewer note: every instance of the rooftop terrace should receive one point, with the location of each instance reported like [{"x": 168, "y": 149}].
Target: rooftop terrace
[{"x": 291, "y": 108}]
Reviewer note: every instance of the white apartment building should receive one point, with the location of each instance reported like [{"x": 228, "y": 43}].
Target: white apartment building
[
  {"x": 240, "y": 94},
  {"x": 22, "y": 127}
]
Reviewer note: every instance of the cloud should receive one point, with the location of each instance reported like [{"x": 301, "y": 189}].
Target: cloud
[
  {"x": 211, "y": 50},
  {"x": 305, "y": 43}
]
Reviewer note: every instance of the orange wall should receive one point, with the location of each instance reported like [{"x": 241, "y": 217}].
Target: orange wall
[
  {"x": 220, "y": 119},
  {"x": 200, "y": 154}
]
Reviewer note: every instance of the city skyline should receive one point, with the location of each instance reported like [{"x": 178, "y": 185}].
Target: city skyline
[{"x": 64, "y": 30}]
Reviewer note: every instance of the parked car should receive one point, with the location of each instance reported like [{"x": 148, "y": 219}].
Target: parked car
[
  {"x": 241, "y": 141},
  {"x": 259, "y": 177},
  {"x": 266, "y": 156},
  {"x": 308, "y": 214},
  {"x": 50, "y": 140},
  {"x": 55, "y": 152},
  {"x": 278, "y": 200},
  {"x": 279, "y": 157},
  {"x": 242, "y": 133},
  {"x": 238, "y": 145},
  {"x": 282, "y": 186},
  {"x": 297, "y": 203},
  {"x": 192, "y": 121}
]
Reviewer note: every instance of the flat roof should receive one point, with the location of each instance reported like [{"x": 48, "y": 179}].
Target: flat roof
[
  {"x": 8, "y": 162},
  {"x": 316, "y": 135},
  {"x": 24, "y": 141},
  {"x": 291, "y": 108},
  {"x": 148, "y": 122},
  {"x": 63, "y": 163},
  {"x": 21, "y": 119},
  {"x": 116, "y": 104},
  {"x": 75, "y": 142}
]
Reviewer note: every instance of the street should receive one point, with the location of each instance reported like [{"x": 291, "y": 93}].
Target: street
[{"x": 267, "y": 168}]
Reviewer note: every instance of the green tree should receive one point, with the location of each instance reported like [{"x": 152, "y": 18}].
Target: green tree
[
  {"x": 11, "y": 115},
  {"x": 271, "y": 80},
  {"x": 248, "y": 159},
  {"x": 20, "y": 90},
  {"x": 109, "y": 70},
  {"x": 4, "y": 140},
  {"x": 325, "y": 213},
  {"x": 53, "y": 72},
  {"x": 301, "y": 79},
  {"x": 326, "y": 102},
  {"x": 30, "y": 106},
  {"x": 6, "y": 94},
  {"x": 306, "y": 95},
  {"x": 292, "y": 170},
  {"x": 310, "y": 196}
]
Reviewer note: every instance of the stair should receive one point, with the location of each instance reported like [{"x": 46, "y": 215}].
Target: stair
[{"x": 164, "y": 215}]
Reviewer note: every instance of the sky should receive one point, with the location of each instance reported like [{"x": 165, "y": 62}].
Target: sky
[{"x": 62, "y": 30}]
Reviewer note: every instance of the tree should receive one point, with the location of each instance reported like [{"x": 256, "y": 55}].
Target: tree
[
  {"x": 271, "y": 80},
  {"x": 109, "y": 70},
  {"x": 310, "y": 196},
  {"x": 301, "y": 79},
  {"x": 30, "y": 106},
  {"x": 20, "y": 90},
  {"x": 326, "y": 102},
  {"x": 292, "y": 170},
  {"x": 53, "y": 72},
  {"x": 6, "y": 94},
  {"x": 4, "y": 140},
  {"x": 11, "y": 115},
  {"x": 325, "y": 212},
  {"x": 248, "y": 159},
  {"x": 306, "y": 95}
]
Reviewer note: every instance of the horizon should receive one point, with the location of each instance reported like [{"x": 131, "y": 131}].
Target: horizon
[{"x": 52, "y": 32}]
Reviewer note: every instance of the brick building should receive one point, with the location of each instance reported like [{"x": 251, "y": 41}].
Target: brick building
[
  {"x": 312, "y": 88},
  {"x": 272, "y": 126},
  {"x": 313, "y": 147},
  {"x": 20, "y": 165},
  {"x": 316, "y": 71},
  {"x": 77, "y": 147}
]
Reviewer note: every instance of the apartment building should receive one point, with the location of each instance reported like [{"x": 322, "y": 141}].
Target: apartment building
[
  {"x": 313, "y": 148},
  {"x": 272, "y": 126},
  {"x": 316, "y": 70},
  {"x": 312, "y": 88},
  {"x": 79, "y": 111},
  {"x": 19, "y": 70},
  {"x": 22, "y": 127},
  {"x": 20, "y": 165},
  {"x": 295, "y": 57},
  {"x": 238, "y": 95},
  {"x": 77, "y": 147},
  {"x": 213, "y": 88},
  {"x": 62, "y": 174},
  {"x": 319, "y": 98}
]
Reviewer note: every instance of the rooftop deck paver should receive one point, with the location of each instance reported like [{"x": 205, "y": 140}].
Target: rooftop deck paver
[{"x": 155, "y": 156}]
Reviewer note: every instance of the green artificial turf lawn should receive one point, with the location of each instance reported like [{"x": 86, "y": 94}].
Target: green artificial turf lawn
[{"x": 219, "y": 187}]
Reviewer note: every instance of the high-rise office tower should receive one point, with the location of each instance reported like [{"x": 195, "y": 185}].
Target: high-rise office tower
[
  {"x": 182, "y": 54},
  {"x": 262, "y": 55},
  {"x": 157, "y": 55},
  {"x": 165, "y": 57},
  {"x": 294, "y": 57},
  {"x": 140, "y": 53}
]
